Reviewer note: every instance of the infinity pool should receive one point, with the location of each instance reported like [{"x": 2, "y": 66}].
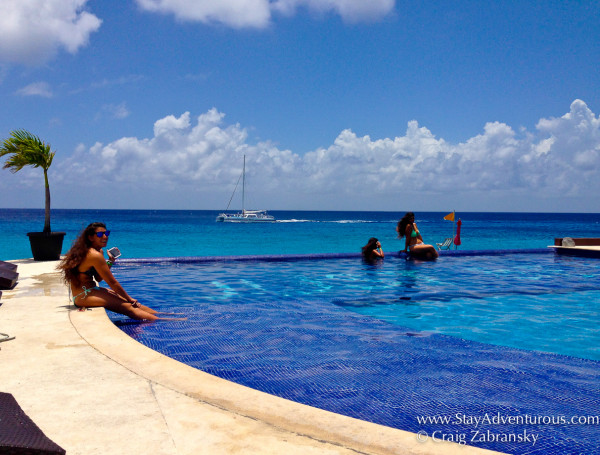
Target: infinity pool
[{"x": 394, "y": 341}]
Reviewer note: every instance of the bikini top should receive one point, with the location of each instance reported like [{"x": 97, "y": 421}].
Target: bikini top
[
  {"x": 414, "y": 233},
  {"x": 91, "y": 272}
]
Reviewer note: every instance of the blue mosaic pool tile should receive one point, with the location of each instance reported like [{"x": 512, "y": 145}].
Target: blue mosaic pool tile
[
  {"x": 320, "y": 354},
  {"x": 326, "y": 357}
]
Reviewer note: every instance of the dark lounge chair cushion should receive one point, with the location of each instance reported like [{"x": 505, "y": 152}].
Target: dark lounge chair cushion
[
  {"x": 8, "y": 266},
  {"x": 19, "y": 435},
  {"x": 8, "y": 279}
]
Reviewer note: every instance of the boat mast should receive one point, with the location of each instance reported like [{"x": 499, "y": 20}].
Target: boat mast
[{"x": 244, "y": 185}]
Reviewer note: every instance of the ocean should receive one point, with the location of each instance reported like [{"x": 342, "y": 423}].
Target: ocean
[{"x": 175, "y": 233}]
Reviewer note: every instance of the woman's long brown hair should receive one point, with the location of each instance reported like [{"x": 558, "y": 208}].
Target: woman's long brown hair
[
  {"x": 75, "y": 256},
  {"x": 403, "y": 223}
]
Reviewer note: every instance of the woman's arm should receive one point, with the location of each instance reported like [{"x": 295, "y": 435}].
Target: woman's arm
[
  {"x": 407, "y": 234},
  {"x": 378, "y": 252},
  {"x": 111, "y": 259},
  {"x": 99, "y": 263},
  {"x": 418, "y": 233}
]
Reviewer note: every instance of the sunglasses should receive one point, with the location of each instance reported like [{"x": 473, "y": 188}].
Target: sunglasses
[{"x": 102, "y": 234}]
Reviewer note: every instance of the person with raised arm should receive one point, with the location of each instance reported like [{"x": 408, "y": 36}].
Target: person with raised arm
[
  {"x": 372, "y": 250},
  {"x": 84, "y": 266}
]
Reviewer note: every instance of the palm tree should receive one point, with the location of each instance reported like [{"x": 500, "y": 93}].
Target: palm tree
[{"x": 25, "y": 149}]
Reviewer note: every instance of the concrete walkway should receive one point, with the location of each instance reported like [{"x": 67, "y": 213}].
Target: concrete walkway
[{"x": 94, "y": 390}]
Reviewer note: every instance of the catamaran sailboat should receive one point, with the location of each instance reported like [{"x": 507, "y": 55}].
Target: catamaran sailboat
[{"x": 245, "y": 216}]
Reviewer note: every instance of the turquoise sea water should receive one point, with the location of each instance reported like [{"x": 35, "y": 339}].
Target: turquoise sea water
[{"x": 169, "y": 233}]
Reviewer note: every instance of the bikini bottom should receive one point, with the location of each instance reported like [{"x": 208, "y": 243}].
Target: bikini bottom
[{"x": 85, "y": 293}]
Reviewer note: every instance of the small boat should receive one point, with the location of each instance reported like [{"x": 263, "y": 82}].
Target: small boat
[{"x": 245, "y": 216}]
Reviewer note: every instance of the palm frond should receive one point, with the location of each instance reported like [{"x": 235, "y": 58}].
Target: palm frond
[{"x": 25, "y": 149}]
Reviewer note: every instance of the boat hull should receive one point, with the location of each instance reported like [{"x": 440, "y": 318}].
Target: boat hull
[{"x": 245, "y": 218}]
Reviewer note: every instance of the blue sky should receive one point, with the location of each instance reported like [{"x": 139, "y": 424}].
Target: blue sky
[{"x": 337, "y": 104}]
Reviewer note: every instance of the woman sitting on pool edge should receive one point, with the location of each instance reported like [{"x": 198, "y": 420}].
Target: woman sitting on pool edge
[
  {"x": 85, "y": 264},
  {"x": 372, "y": 250},
  {"x": 414, "y": 242}
]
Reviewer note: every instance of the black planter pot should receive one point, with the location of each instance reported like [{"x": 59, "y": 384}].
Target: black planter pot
[{"x": 46, "y": 246}]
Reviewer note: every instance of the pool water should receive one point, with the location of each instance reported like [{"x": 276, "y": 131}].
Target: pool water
[
  {"x": 537, "y": 302},
  {"x": 393, "y": 341},
  {"x": 541, "y": 302}
]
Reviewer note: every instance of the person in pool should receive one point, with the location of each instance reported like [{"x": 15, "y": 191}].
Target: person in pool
[
  {"x": 372, "y": 250},
  {"x": 414, "y": 242},
  {"x": 84, "y": 265}
]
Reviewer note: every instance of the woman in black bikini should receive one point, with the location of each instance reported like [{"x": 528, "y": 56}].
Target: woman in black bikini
[
  {"x": 84, "y": 265},
  {"x": 372, "y": 250}
]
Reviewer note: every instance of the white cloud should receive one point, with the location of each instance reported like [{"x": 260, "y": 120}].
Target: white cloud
[
  {"x": 349, "y": 10},
  {"x": 575, "y": 133},
  {"x": 163, "y": 126},
  {"x": 36, "y": 89},
  {"x": 116, "y": 111},
  {"x": 34, "y": 30},
  {"x": 258, "y": 13},
  {"x": 233, "y": 13},
  {"x": 561, "y": 159}
]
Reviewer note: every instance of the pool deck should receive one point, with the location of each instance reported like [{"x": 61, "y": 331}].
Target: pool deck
[
  {"x": 586, "y": 247},
  {"x": 94, "y": 390}
]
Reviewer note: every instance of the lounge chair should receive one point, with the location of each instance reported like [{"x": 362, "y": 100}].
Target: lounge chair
[
  {"x": 445, "y": 245},
  {"x": 18, "y": 433}
]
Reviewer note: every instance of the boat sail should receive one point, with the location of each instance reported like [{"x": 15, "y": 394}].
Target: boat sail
[{"x": 245, "y": 216}]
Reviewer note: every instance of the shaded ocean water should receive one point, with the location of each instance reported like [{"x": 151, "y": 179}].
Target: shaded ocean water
[{"x": 175, "y": 233}]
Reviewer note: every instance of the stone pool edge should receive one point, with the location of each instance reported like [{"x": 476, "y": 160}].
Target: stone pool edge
[
  {"x": 323, "y": 426},
  {"x": 300, "y": 257}
]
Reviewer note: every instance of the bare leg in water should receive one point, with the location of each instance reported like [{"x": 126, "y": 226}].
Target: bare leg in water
[{"x": 111, "y": 301}]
